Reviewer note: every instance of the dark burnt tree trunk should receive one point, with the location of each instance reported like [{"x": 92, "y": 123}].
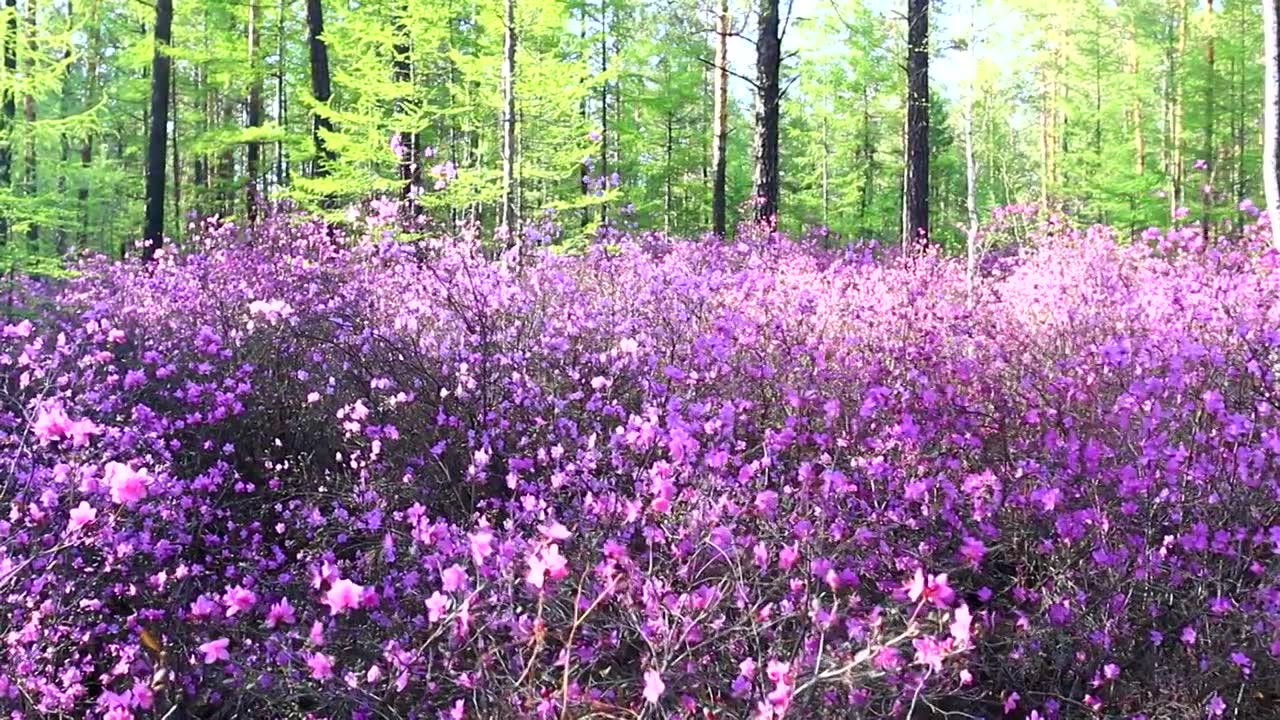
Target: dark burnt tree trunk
[
  {"x": 768, "y": 97},
  {"x": 9, "y": 109},
  {"x": 720, "y": 123},
  {"x": 157, "y": 139},
  {"x": 320, "y": 87},
  {"x": 253, "y": 118},
  {"x": 917, "y": 185}
]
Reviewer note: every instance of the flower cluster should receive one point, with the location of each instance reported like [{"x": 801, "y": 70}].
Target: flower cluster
[{"x": 325, "y": 476}]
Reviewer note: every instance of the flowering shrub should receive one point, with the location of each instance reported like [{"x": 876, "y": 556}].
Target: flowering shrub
[{"x": 327, "y": 477}]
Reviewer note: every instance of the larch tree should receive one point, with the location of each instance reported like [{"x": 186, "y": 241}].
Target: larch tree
[
  {"x": 8, "y": 106},
  {"x": 720, "y": 122},
  {"x": 158, "y": 135},
  {"x": 253, "y": 116},
  {"x": 508, "y": 219},
  {"x": 768, "y": 110},
  {"x": 318, "y": 55},
  {"x": 1271, "y": 115},
  {"x": 916, "y": 213},
  {"x": 29, "y": 169}
]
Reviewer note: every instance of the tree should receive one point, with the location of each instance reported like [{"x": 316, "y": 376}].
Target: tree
[
  {"x": 253, "y": 118},
  {"x": 509, "y": 218},
  {"x": 30, "y": 186},
  {"x": 768, "y": 97},
  {"x": 318, "y": 54},
  {"x": 1271, "y": 115},
  {"x": 970, "y": 166},
  {"x": 158, "y": 136},
  {"x": 402, "y": 72},
  {"x": 720, "y": 122},
  {"x": 8, "y": 107},
  {"x": 917, "y": 135}
]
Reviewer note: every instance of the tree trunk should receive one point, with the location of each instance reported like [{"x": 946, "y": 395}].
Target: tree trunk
[
  {"x": 970, "y": 167},
  {"x": 869, "y": 157},
  {"x": 604, "y": 105},
  {"x": 282, "y": 111},
  {"x": 720, "y": 123},
  {"x": 768, "y": 97},
  {"x": 157, "y": 139},
  {"x": 64, "y": 142},
  {"x": 9, "y": 109},
  {"x": 1210, "y": 102},
  {"x": 1139, "y": 140},
  {"x": 227, "y": 194},
  {"x": 1271, "y": 115},
  {"x": 666, "y": 195},
  {"x": 402, "y": 73},
  {"x": 917, "y": 198},
  {"x": 509, "y": 218},
  {"x": 177, "y": 163},
  {"x": 1179, "y": 147},
  {"x": 253, "y": 118},
  {"x": 86, "y": 147},
  {"x": 826, "y": 173},
  {"x": 30, "y": 187},
  {"x": 319, "y": 57}
]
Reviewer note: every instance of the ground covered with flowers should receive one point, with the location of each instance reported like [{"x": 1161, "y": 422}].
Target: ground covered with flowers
[{"x": 311, "y": 476}]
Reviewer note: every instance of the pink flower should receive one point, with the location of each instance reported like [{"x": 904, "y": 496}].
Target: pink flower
[
  {"x": 961, "y": 625},
  {"x": 663, "y": 491},
  {"x": 316, "y": 636},
  {"x": 127, "y": 486},
  {"x": 453, "y": 578},
  {"x": 436, "y": 605},
  {"x": 82, "y": 515},
  {"x": 930, "y": 652},
  {"x": 343, "y": 595},
  {"x": 787, "y": 557},
  {"x": 238, "y": 599},
  {"x": 888, "y": 659},
  {"x": 932, "y": 589},
  {"x": 779, "y": 672},
  {"x": 202, "y": 608},
  {"x": 556, "y": 564},
  {"x": 767, "y": 502},
  {"x": 321, "y": 666},
  {"x": 280, "y": 612},
  {"x": 118, "y": 713},
  {"x": 653, "y": 686},
  {"x": 215, "y": 650},
  {"x": 80, "y": 431},
  {"x": 481, "y": 546},
  {"x": 537, "y": 574},
  {"x": 52, "y": 423},
  {"x": 546, "y": 562},
  {"x": 555, "y": 531}
]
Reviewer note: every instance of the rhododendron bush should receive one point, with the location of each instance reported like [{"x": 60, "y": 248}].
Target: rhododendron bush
[{"x": 346, "y": 477}]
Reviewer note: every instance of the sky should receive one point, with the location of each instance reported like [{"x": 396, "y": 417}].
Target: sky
[{"x": 949, "y": 70}]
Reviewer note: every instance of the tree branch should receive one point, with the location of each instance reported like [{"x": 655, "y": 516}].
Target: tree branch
[{"x": 740, "y": 76}]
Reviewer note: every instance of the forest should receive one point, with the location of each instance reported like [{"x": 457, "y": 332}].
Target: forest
[
  {"x": 621, "y": 360},
  {"x": 636, "y": 113}
]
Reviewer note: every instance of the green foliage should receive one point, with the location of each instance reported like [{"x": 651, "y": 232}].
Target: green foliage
[{"x": 1080, "y": 104}]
